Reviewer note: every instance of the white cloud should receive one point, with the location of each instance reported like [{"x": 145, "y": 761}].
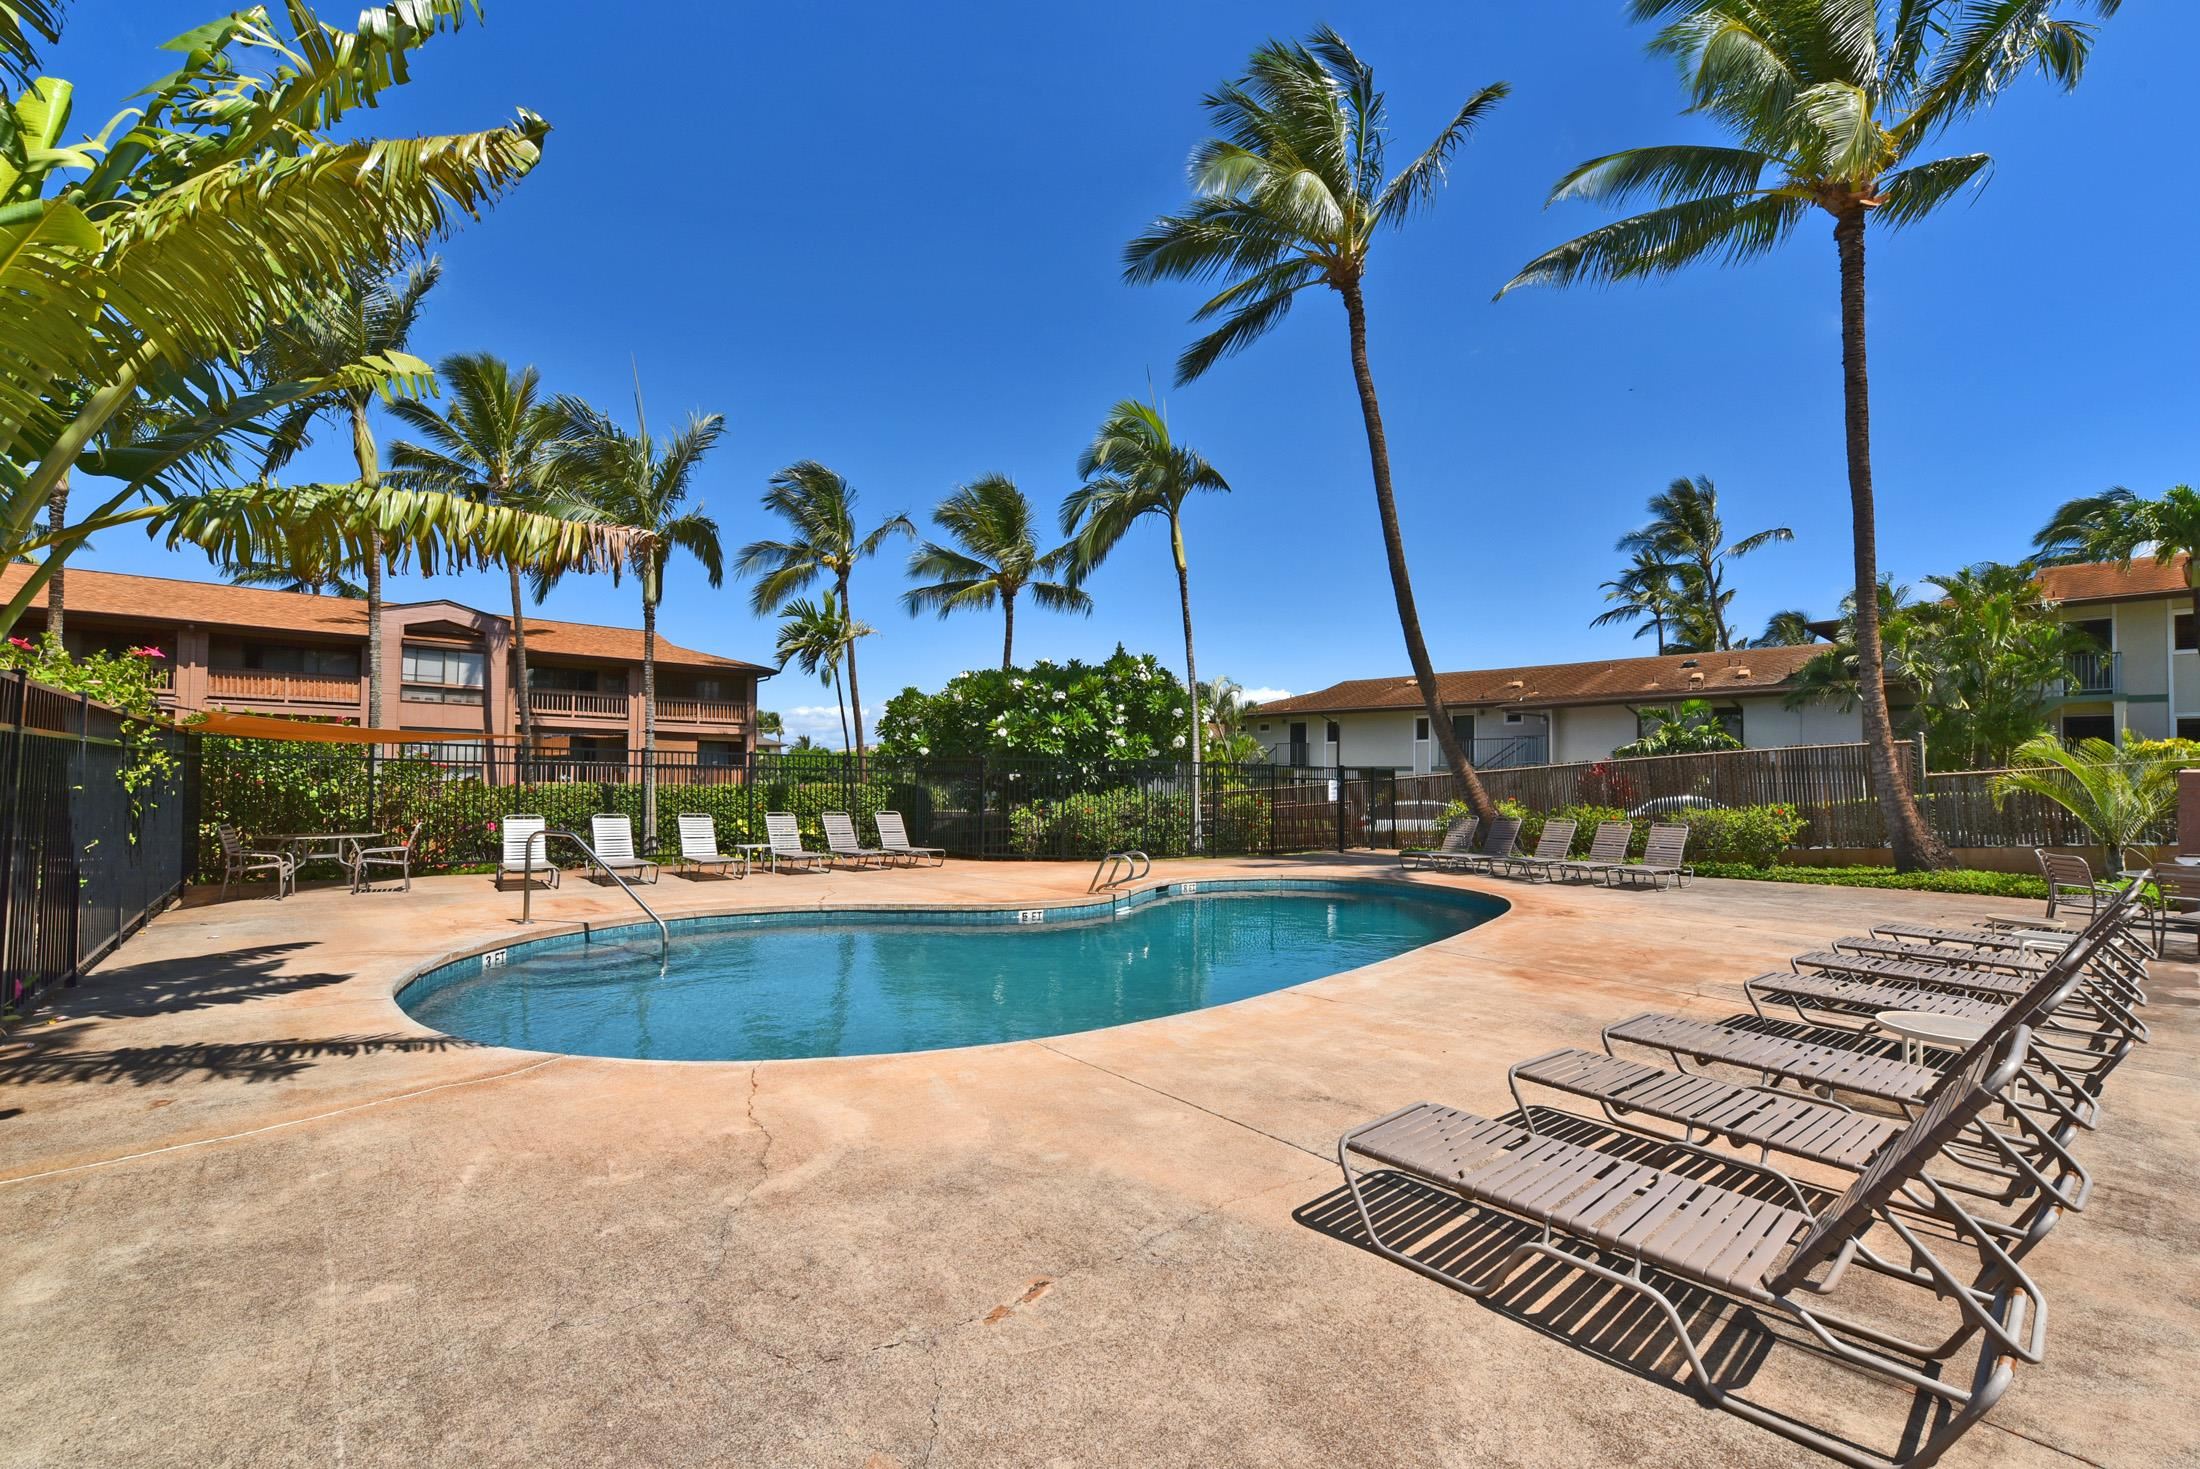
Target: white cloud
[{"x": 1264, "y": 695}]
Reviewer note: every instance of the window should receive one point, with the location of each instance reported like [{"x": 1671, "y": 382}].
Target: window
[
  {"x": 1298, "y": 752},
  {"x": 717, "y": 752},
  {"x": 1462, "y": 725},
  {"x": 1730, "y": 720},
  {"x": 454, "y": 758},
  {"x": 562, "y": 680},
  {"x": 1335, "y": 733},
  {"x": 2102, "y": 630},
  {"x": 2077, "y": 727},
  {"x": 438, "y": 675},
  {"x": 280, "y": 658},
  {"x": 713, "y": 687},
  {"x": 2188, "y": 729},
  {"x": 2185, "y": 640},
  {"x": 1420, "y": 729}
]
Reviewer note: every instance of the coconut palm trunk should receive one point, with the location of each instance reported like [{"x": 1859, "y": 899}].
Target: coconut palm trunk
[
  {"x": 1911, "y": 842},
  {"x": 57, "y": 519},
  {"x": 522, "y": 694},
  {"x": 1008, "y": 631},
  {"x": 649, "y": 721},
  {"x": 370, "y": 475},
  {"x": 1191, "y": 676},
  {"x": 855, "y": 696},
  {"x": 1394, "y": 549}
]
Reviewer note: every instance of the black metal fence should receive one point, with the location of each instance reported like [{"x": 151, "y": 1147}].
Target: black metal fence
[{"x": 83, "y": 863}]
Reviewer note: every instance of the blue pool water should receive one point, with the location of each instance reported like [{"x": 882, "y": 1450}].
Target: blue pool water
[{"x": 772, "y": 986}]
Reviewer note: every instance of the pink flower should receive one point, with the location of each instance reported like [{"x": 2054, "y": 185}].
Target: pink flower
[
  {"x": 24, "y": 643},
  {"x": 147, "y": 652}
]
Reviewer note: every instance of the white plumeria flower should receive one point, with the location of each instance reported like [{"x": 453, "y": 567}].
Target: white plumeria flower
[
  {"x": 1179, "y": 742},
  {"x": 1059, "y": 696},
  {"x": 924, "y": 749}
]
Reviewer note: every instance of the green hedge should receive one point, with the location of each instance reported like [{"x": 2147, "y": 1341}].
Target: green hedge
[
  {"x": 1749, "y": 835},
  {"x": 1956, "y": 880}
]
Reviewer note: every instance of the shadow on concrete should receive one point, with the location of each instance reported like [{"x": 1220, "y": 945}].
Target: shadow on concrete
[
  {"x": 197, "y": 983},
  {"x": 51, "y": 1056},
  {"x": 1621, "y": 1327}
]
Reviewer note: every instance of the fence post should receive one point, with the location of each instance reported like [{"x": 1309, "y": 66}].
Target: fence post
[
  {"x": 981, "y": 808},
  {"x": 11, "y": 768}
]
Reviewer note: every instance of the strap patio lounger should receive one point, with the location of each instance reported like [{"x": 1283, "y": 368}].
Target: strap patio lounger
[
  {"x": 1607, "y": 850},
  {"x": 1610, "y": 1217},
  {"x": 1661, "y": 859},
  {"x": 786, "y": 842},
  {"x": 2070, "y": 881},
  {"x": 1497, "y": 846},
  {"x": 2107, "y": 993},
  {"x": 843, "y": 845},
  {"x": 240, "y": 862},
  {"x": 521, "y": 857},
  {"x": 364, "y": 859},
  {"x": 893, "y": 839},
  {"x": 1551, "y": 846},
  {"x": 1458, "y": 842},
  {"x": 613, "y": 839},
  {"x": 699, "y": 847}
]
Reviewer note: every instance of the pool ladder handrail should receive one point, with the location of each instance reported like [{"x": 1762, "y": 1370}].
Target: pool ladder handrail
[
  {"x": 1119, "y": 867},
  {"x": 527, "y": 886}
]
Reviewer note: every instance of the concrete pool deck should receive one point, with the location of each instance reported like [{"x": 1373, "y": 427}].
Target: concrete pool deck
[{"x": 251, "y": 1214}]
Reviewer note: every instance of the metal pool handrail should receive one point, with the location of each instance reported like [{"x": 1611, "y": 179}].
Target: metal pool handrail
[
  {"x": 1119, "y": 867},
  {"x": 527, "y": 888}
]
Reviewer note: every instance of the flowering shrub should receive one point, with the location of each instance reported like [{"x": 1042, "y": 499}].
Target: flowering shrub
[
  {"x": 128, "y": 681},
  {"x": 1606, "y": 784},
  {"x": 1128, "y": 708}
]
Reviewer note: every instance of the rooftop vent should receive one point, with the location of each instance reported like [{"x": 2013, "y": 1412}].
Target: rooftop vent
[
  {"x": 1516, "y": 683},
  {"x": 1742, "y": 672},
  {"x": 1688, "y": 663}
]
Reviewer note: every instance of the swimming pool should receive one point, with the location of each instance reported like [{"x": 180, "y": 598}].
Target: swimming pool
[{"x": 773, "y": 986}]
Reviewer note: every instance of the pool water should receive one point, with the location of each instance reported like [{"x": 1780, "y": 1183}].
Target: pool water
[{"x": 768, "y": 987}]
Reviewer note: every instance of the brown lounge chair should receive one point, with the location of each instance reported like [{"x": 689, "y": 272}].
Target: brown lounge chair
[
  {"x": 1498, "y": 841},
  {"x": 1458, "y": 842},
  {"x": 1551, "y": 846},
  {"x": 1607, "y": 850},
  {"x": 1616, "y": 1219},
  {"x": 1661, "y": 860}
]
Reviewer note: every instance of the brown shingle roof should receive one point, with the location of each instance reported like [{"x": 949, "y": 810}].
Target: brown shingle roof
[
  {"x": 164, "y": 600},
  {"x": 2105, "y": 581},
  {"x": 1604, "y": 681}
]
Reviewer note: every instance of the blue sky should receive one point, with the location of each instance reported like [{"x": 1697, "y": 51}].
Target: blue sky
[{"x": 888, "y": 236}]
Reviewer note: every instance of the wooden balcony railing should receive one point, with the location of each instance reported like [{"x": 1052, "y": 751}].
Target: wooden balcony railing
[
  {"x": 280, "y": 688},
  {"x": 565, "y": 702},
  {"x": 701, "y": 711}
]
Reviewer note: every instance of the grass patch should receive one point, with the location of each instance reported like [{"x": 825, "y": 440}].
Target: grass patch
[{"x": 1957, "y": 880}]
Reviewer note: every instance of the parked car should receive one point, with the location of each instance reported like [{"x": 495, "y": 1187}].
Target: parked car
[
  {"x": 1668, "y": 805},
  {"x": 1420, "y": 820}
]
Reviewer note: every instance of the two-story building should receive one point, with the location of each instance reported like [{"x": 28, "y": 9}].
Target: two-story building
[
  {"x": 1553, "y": 713},
  {"x": 2146, "y": 676},
  {"x": 448, "y": 669}
]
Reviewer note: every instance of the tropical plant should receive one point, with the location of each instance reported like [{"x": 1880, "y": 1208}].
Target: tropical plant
[
  {"x": 1290, "y": 194},
  {"x": 284, "y": 573},
  {"x": 1127, "y": 708},
  {"x": 1788, "y": 628},
  {"x": 128, "y": 681},
  {"x": 1686, "y": 537},
  {"x": 990, "y": 519},
  {"x": 2117, "y": 795},
  {"x": 2117, "y": 525},
  {"x": 1828, "y": 102},
  {"x": 819, "y": 637},
  {"x": 770, "y": 722},
  {"x": 1690, "y": 727},
  {"x": 365, "y": 316},
  {"x": 493, "y": 444},
  {"x": 632, "y": 479},
  {"x": 1644, "y": 593},
  {"x": 819, "y": 508},
  {"x": 1135, "y": 468},
  {"x": 135, "y": 265}
]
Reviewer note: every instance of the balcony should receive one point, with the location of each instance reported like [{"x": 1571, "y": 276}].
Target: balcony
[
  {"x": 567, "y": 704},
  {"x": 701, "y": 711},
  {"x": 2093, "y": 676},
  {"x": 256, "y": 687}
]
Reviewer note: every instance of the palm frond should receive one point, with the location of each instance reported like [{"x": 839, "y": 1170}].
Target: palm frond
[
  {"x": 1909, "y": 194},
  {"x": 1415, "y": 186},
  {"x": 1728, "y": 227},
  {"x": 1669, "y": 173}
]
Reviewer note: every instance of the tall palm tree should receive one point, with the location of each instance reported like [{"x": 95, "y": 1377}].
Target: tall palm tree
[
  {"x": 1643, "y": 593},
  {"x": 630, "y": 478},
  {"x": 366, "y": 314},
  {"x": 1828, "y": 102},
  {"x": 493, "y": 443},
  {"x": 1290, "y": 194},
  {"x": 289, "y": 574},
  {"x": 1687, "y": 534},
  {"x": 991, "y": 520},
  {"x": 818, "y": 637},
  {"x": 1134, "y": 468},
  {"x": 2116, "y": 525},
  {"x": 1788, "y": 628},
  {"x": 820, "y": 510}
]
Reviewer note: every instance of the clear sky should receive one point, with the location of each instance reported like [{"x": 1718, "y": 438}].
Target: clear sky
[{"x": 888, "y": 237}]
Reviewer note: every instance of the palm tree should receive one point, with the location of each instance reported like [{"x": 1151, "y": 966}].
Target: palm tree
[
  {"x": 2116, "y": 525},
  {"x": 1787, "y": 628},
  {"x": 632, "y": 479},
  {"x": 2117, "y": 795},
  {"x": 820, "y": 510},
  {"x": 1687, "y": 534},
  {"x": 1134, "y": 468},
  {"x": 1290, "y": 195},
  {"x": 1828, "y": 104},
  {"x": 366, "y": 315},
  {"x": 288, "y": 574},
  {"x": 1643, "y": 593},
  {"x": 991, "y": 520},
  {"x": 818, "y": 637},
  {"x": 492, "y": 444}
]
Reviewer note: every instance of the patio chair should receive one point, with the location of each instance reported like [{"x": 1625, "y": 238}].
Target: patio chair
[
  {"x": 613, "y": 839},
  {"x": 239, "y": 862},
  {"x": 1498, "y": 842},
  {"x": 522, "y": 854},
  {"x": 843, "y": 845},
  {"x": 2070, "y": 882},
  {"x": 1607, "y": 850},
  {"x": 1551, "y": 846},
  {"x": 1458, "y": 841},
  {"x": 1661, "y": 860},
  {"x": 1619, "y": 1220},
  {"x": 786, "y": 842},
  {"x": 365, "y": 859},
  {"x": 893, "y": 839},
  {"x": 2179, "y": 905},
  {"x": 699, "y": 847}
]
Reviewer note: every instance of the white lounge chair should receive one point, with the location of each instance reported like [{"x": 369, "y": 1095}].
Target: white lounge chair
[
  {"x": 893, "y": 839},
  {"x": 519, "y": 857},
  {"x": 614, "y": 844},
  {"x": 843, "y": 844},
  {"x": 699, "y": 848},
  {"x": 786, "y": 842}
]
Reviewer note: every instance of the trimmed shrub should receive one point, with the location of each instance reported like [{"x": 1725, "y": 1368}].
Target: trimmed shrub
[{"x": 1958, "y": 880}]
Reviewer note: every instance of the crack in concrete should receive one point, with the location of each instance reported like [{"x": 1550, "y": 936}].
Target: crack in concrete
[{"x": 1181, "y": 1100}]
